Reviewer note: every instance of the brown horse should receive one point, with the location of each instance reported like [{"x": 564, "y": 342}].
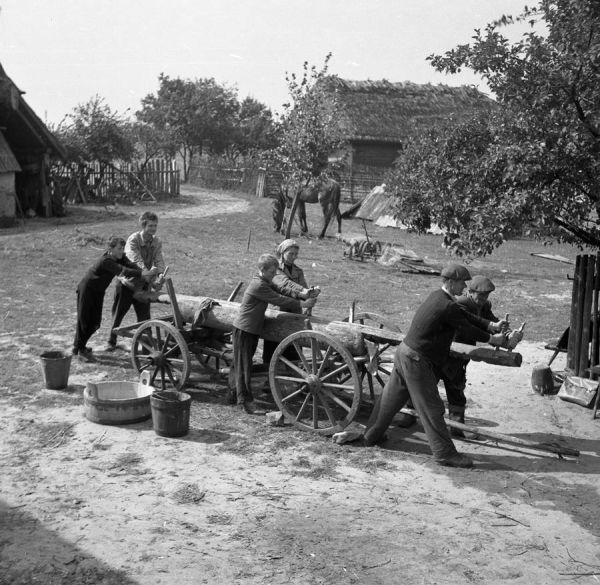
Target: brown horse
[{"x": 325, "y": 192}]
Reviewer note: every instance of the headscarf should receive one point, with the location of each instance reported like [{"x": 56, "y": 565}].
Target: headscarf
[{"x": 286, "y": 245}]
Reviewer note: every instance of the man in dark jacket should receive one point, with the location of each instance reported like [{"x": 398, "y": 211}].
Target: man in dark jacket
[
  {"x": 419, "y": 362},
  {"x": 454, "y": 373}
]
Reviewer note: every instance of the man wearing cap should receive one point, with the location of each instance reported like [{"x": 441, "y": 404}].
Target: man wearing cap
[
  {"x": 454, "y": 372},
  {"x": 419, "y": 362}
]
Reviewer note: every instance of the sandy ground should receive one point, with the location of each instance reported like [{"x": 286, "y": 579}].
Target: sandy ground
[{"x": 238, "y": 501}]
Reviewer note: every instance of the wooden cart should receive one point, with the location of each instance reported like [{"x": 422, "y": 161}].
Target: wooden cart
[{"x": 319, "y": 367}]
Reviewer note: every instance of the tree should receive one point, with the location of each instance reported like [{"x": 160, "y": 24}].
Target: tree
[
  {"x": 94, "y": 132},
  {"x": 255, "y": 127},
  {"x": 190, "y": 113},
  {"x": 534, "y": 158},
  {"x": 309, "y": 127}
]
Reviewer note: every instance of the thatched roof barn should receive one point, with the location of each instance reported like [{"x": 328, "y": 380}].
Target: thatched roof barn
[
  {"x": 32, "y": 146},
  {"x": 376, "y": 116}
]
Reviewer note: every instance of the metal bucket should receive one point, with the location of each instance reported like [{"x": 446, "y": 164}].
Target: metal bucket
[
  {"x": 55, "y": 368},
  {"x": 542, "y": 380}
]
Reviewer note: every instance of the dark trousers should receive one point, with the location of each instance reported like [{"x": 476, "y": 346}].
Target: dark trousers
[
  {"x": 89, "y": 315},
  {"x": 121, "y": 304},
  {"x": 244, "y": 346},
  {"x": 413, "y": 377},
  {"x": 454, "y": 376}
]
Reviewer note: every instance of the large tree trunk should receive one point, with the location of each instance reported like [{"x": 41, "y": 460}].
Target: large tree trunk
[{"x": 278, "y": 325}]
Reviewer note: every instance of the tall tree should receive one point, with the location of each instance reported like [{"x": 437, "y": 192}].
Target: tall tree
[
  {"x": 190, "y": 113},
  {"x": 535, "y": 158},
  {"x": 94, "y": 132},
  {"x": 309, "y": 127}
]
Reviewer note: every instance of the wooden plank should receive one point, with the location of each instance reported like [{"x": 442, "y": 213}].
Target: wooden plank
[
  {"x": 586, "y": 316},
  {"x": 572, "y": 355},
  {"x": 595, "y": 350},
  {"x": 177, "y": 317}
]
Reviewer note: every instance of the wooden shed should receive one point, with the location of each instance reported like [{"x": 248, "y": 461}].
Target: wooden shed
[
  {"x": 33, "y": 147},
  {"x": 377, "y": 116}
]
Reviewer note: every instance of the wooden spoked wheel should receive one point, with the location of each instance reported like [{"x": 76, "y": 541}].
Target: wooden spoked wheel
[
  {"x": 384, "y": 358},
  {"x": 160, "y": 349},
  {"x": 320, "y": 389}
]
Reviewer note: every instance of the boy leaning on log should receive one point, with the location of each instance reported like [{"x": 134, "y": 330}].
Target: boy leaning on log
[
  {"x": 248, "y": 324},
  {"x": 419, "y": 361}
]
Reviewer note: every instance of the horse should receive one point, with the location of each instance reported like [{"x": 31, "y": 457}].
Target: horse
[{"x": 326, "y": 192}]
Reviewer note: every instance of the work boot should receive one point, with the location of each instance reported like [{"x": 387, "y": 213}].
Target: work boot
[
  {"x": 457, "y": 414},
  {"x": 456, "y": 460},
  {"x": 405, "y": 420}
]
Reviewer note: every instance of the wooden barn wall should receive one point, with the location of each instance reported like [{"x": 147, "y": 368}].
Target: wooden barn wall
[
  {"x": 7, "y": 198},
  {"x": 374, "y": 155}
]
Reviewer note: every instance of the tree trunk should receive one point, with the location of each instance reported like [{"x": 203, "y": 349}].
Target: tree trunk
[{"x": 278, "y": 325}]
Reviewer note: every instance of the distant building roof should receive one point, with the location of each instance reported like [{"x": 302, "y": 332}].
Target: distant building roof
[
  {"x": 22, "y": 128},
  {"x": 383, "y": 111},
  {"x": 8, "y": 162}
]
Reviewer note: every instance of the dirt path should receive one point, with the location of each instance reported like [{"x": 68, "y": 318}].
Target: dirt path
[{"x": 239, "y": 502}]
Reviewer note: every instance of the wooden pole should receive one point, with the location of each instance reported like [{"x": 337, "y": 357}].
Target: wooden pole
[
  {"x": 595, "y": 352},
  {"x": 288, "y": 229},
  {"x": 586, "y": 316},
  {"x": 573, "y": 319}
]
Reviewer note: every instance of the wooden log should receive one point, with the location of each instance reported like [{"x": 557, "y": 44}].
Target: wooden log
[
  {"x": 551, "y": 447},
  {"x": 278, "y": 325}
]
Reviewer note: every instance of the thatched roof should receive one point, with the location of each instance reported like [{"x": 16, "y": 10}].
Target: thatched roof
[{"x": 382, "y": 111}]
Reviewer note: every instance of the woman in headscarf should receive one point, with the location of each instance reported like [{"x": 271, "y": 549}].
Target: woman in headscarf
[{"x": 290, "y": 281}]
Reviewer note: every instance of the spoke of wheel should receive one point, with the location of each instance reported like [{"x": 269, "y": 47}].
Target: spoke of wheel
[
  {"x": 294, "y": 367},
  {"x": 162, "y": 378},
  {"x": 172, "y": 350},
  {"x": 314, "y": 348},
  {"x": 327, "y": 410},
  {"x": 315, "y": 413},
  {"x": 146, "y": 365},
  {"x": 339, "y": 402},
  {"x": 153, "y": 377},
  {"x": 164, "y": 345},
  {"x": 300, "y": 353},
  {"x": 333, "y": 373},
  {"x": 176, "y": 361},
  {"x": 290, "y": 379},
  {"x": 144, "y": 344},
  {"x": 170, "y": 374},
  {"x": 325, "y": 359},
  {"x": 370, "y": 382},
  {"x": 158, "y": 338},
  {"x": 290, "y": 396},
  {"x": 302, "y": 407},
  {"x": 348, "y": 387}
]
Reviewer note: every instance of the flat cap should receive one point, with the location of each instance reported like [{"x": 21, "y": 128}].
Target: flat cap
[
  {"x": 481, "y": 283},
  {"x": 456, "y": 272}
]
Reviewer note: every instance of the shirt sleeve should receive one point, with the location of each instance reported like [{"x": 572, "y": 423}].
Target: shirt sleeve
[
  {"x": 267, "y": 294},
  {"x": 111, "y": 266},
  {"x": 474, "y": 326},
  {"x": 133, "y": 252},
  {"x": 487, "y": 312},
  {"x": 285, "y": 286},
  {"x": 128, "y": 268},
  {"x": 157, "y": 258}
]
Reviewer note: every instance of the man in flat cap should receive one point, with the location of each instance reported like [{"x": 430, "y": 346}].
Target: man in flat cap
[
  {"x": 419, "y": 362},
  {"x": 454, "y": 372}
]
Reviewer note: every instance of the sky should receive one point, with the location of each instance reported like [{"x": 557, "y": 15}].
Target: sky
[{"x": 62, "y": 53}]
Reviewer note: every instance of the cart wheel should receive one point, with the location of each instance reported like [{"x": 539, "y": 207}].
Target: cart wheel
[
  {"x": 159, "y": 348},
  {"x": 385, "y": 361},
  {"x": 320, "y": 390}
]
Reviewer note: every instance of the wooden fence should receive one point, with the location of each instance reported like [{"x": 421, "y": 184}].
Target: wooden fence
[
  {"x": 583, "y": 348},
  {"x": 82, "y": 182},
  {"x": 355, "y": 186}
]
